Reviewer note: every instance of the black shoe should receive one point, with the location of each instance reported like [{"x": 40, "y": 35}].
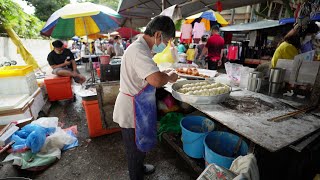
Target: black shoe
[{"x": 148, "y": 169}]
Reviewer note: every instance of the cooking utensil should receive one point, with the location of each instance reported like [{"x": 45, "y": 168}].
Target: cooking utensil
[
  {"x": 294, "y": 113},
  {"x": 194, "y": 99},
  {"x": 277, "y": 75},
  {"x": 254, "y": 81}
]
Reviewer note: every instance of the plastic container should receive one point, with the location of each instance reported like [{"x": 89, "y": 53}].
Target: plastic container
[
  {"x": 194, "y": 130},
  {"x": 220, "y": 146},
  {"x": 58, "y": 88},
  {"x": 98, "y": 72},
  {"x": 105, "y": 59},
  {"x": 92, "y": 110},
  {"x": 17, "y": 80},
  {"x": 9, "y": 71}
]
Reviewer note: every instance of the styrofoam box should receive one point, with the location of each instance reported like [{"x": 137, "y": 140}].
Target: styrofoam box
[
  {"x": 33, "y": 108},
  {"x": 19, "y": 84}
]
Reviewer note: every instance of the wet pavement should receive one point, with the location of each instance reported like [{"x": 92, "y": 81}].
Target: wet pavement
[{"x": 99, "y": 158}]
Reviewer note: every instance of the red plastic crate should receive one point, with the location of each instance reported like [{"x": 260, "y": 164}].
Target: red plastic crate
[
  {"x": 98, "y": 72},
  {"x": 58, "y": 88}
]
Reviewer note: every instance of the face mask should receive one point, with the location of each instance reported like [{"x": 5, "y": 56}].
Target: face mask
[{"x": 158, "y": 48}]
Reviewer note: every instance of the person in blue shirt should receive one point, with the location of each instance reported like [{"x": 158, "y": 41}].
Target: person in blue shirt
[{"x": 181, "y": 48}]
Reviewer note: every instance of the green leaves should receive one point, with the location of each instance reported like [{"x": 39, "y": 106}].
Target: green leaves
[
  {"x": 44, "y": 8},
  {"x": 25, "y": 25}
]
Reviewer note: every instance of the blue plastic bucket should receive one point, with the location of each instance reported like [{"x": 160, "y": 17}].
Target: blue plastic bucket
[
  {"x": 220, "y": 146},
  {"x": 194, "y": 130}
]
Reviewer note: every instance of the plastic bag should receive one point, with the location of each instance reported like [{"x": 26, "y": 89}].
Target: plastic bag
[
  {"x": 71, "y": 145},
  {"x": 30, "y": 136},
  {"x": 47, "y": 122},
  {"x": 36, "y": 140},
  {"x": 57, "y": 140},
  {"x": 168, "y": 55},
  {"x": 29, "y": 160},
  {"x": 19, "y": 145},
  {"x": 233, "y": 71}
]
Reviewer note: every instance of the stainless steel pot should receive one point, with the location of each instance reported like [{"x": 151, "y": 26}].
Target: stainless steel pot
[{"x": 194, "y": 99}]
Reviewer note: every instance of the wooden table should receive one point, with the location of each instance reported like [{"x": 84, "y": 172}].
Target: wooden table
[{"x": 254, "y": 126}]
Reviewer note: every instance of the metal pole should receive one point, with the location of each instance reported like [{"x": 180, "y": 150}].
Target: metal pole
[
  {"x": 93, "y": 80},
  {"x": 232, "y": 15},
  {"x": 163, "y": 5}
]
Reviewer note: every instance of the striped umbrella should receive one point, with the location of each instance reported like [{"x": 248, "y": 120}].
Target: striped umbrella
[
  {"x": 209, "y": 18},
  {"x": 81, "y": 19}
]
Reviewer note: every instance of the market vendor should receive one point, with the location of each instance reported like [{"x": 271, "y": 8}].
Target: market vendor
[
  {"x": 62, "y": 62},
  {"x": 289, "y": 48},
  {"x": 135, "y": 108}
]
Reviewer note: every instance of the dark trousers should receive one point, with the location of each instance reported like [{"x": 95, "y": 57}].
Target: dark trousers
[
  {"x": 212, "y": 65},
  {"x": 134, "y": 155}
]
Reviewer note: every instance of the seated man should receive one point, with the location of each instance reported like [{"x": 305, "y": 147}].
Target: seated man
[{"x": 63, "y": 64}]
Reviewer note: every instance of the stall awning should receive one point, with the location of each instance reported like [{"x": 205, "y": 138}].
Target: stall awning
[
  {"x": 252, "y": 26},
  {"x": 142, "y": 10},
  {"x": 316, "y": 17}
]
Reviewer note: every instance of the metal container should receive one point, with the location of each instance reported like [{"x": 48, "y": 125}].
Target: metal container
[
  {"x": 194, "y": 99},
  {"x": 254, "y": 81},
  {"x": 277, "y": 75},
  {"x": 275, "y": 88}
]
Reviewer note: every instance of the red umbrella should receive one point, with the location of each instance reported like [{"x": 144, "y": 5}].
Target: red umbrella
[{"x": 127, "y": 33}]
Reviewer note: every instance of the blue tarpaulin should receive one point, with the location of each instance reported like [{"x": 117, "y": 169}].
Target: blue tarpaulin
[{"x": 316, "y": 17}]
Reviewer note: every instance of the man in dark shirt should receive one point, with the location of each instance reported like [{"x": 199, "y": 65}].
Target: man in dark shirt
[
  {"x": 214, "y": 48},
  {"x": 62, "y": 62}
]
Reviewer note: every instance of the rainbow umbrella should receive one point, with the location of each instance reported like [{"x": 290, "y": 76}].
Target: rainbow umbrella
[
  {"x": 81, "y": 19},
  {"x": 209, "y": 18}
]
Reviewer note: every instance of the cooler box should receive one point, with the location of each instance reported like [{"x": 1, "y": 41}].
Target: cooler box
[
  {"x": 92, "y": 110},
  {"x": 58, "y": 88},
  {"x": 17, "y": 80}
]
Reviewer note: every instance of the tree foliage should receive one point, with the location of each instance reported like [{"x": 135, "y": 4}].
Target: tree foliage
[
  {"x": 12, "y": 15},
  {"x": 45, "y": 8},
  {"x": 113, "y": 4}
]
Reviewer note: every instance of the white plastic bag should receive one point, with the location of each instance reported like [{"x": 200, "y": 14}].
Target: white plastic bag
[
  {"x": 233, "y": 71},
  {"x": 57, "y": 140},
  {"x": 47, "y": 122}
]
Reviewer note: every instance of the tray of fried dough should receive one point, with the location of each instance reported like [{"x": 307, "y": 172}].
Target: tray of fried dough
[{"x": 200, "y": 92}]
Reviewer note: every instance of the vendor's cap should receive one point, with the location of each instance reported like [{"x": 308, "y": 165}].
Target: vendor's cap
[{"x": 57, "y": 44}]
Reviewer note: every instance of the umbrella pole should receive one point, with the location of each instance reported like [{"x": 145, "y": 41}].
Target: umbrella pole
[{"x": 93, "y": 80}]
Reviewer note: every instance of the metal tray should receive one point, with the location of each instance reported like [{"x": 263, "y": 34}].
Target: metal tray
[{"x": 194, "y": 99}]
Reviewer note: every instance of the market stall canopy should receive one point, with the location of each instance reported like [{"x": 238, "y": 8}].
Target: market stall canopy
[
  {"x": 316, "y": 17},
  {"x": 127, "y": 33},
  {"x": 80, "y": 19},
  {"x": 97, "y": 36},
  {"x": 140, "y": 11},
  {"x": 251, "y": 26},
  {"x": 208, "y": 18}
]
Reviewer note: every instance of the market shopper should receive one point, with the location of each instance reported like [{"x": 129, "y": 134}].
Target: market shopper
[
  {"x": 118, "y": 48},
  {"x": 201, "y": 62},
  {"x": 214, "y": 49},
  {"x": 135, "y": 108},
  {"x": 62, "y": 62}
]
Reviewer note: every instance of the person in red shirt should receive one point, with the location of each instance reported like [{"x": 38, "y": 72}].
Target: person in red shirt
[{"x": 213, "y": 48}]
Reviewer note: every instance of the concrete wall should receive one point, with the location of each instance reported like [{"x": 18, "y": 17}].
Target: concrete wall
[{"x": 38, "y": 48}]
